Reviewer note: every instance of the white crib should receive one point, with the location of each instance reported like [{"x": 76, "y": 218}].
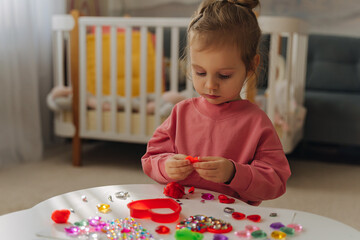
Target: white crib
[{"x": 130, "y": 126}]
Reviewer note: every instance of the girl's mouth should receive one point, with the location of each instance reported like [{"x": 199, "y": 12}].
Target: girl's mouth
[{"x": 211, "y": 96}]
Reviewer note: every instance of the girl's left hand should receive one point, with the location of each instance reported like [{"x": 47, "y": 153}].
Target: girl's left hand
[{"x": 215, "y": 169}]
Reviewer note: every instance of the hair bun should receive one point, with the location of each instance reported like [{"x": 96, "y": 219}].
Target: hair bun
[{"x": 251, "y": 4}]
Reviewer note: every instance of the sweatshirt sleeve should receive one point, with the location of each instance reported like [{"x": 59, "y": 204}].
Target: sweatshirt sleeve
[
  {"x": 266, "y": 175},
  {"x": 160, "y": 147}
]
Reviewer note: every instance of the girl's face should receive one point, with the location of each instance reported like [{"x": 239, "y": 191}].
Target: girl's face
[{"x": 218, "y": 73}]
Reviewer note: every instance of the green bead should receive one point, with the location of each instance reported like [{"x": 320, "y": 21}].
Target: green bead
[
  {"x": 258, "y": 234},
  {"x": 288, "y": 231}
]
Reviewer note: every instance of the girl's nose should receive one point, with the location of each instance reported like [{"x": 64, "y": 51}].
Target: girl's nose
[{"x": 211, "y": 83}]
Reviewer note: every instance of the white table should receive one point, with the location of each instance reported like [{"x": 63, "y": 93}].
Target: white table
[{"x": 35, "y": 223}]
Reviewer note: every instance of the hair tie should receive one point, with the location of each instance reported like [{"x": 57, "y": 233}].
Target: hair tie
[{"x": 237, "y": 3}]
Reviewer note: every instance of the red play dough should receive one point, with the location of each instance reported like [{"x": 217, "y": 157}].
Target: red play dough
[
  {"x": 174, "y": 190},
  {"x": 60, "y": 216}
]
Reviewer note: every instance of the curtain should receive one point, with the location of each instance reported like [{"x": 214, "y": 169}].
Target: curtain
[{"x": 25, "y": 77}]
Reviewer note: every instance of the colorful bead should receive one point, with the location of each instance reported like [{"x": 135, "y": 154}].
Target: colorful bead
[
  {"x": 191, "y": 190},
  {"x": 72, "y": 230},
  {"x": 207, "y": 196},
  {"x": 297, "y": 227},
  {"x": 278, "y": 235},
  {"x": 243, "y": 234},
  {"x": 162, "y": 229},
  {"x": 258, "y": 234},
  {"x": 238, "y": 215},
  {"x": 229, "y": 210},
  {"x": 220, "y": 237},
  {"x": 122, "y": 195},
  {"x": 254, "y": 218},
  {"x": 277, "y": 225},
  {"x": 251, "y": 228},
  {"x": 288, "y": 231},
  {"x": 103, "y": 208}
]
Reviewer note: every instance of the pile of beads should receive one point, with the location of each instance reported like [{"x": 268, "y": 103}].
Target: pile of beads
[
  {"x": 113, "y": 229},
  {"x": 202, "y": 223}
]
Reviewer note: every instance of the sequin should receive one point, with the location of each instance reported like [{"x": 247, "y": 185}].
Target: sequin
[{"x": 278, "y": 235}]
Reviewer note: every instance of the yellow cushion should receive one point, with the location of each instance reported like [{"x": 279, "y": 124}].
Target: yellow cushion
[{"x": 91, "y": 63}]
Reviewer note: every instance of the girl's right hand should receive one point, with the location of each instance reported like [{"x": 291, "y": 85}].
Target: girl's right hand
[{"x": 177, "y": 167}]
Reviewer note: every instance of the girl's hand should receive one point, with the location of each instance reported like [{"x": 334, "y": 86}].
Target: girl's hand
[
  {"x": 215, "y": 169},
  {"x": 177, "y": 167}
]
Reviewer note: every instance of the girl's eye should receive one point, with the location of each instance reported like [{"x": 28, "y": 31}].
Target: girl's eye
[
  {"x": 200, "y": 73},
  {"x": 221, "y": 76}
]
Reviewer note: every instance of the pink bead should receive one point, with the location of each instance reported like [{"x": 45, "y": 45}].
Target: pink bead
[
  {"x": 297, "y": 227},
  {"x": 243, "y": 234},
  {"x": 251, "y": 228}
]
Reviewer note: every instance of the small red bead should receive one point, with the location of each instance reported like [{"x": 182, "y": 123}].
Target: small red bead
[{"x": 162, "y": 229}]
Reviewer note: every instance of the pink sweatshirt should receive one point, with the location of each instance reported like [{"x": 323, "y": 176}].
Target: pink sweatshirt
[{"x": 238, "y": 131}]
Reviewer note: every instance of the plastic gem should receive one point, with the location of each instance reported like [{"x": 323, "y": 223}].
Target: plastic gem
[
  {"x": 207, "y": 196},
  {"x": 82, "y": 223},
  {"x": 288, "y": 231},
  {"x": 110, "y": 198},
  {"x": 225, "y": 199},
  {"x": 94, "y": 221},
  {"x": 72, "y": 210},
  {"x": 298, "y": 228},
  {"x": 191, "y": 190},
  {"x": 243, "y": 234},
  {"x": 238, "y": 216},
  {"x": 72, "y": 230},
  {"x": 202, "y": 201},
  {"x": 254, "y": 218},
  {"x": 162, "y": 229},
  {"x": 229, "y": 210},
  {"x": 273, "y": 214},
  {"x": 220, "y": 237},
  {"x": 258, "y": 234},
  {"x": 103, "y": 208},
  {"x": 251, "y": 228},
  {"x": 278, "y": 235},
  {"x": 277, "y": 225},
  {"x": 83, "y": 197},
  {"x": 122, "y": 195},
  {"x": 60, "y": 216}
]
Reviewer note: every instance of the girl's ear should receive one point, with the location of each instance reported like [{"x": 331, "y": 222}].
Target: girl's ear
[{"x": 255, "y": 64}]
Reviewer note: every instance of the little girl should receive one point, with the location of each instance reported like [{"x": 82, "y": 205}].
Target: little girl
[{"x": 239, "y": 151}]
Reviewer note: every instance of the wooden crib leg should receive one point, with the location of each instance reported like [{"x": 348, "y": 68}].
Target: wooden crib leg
[{"x": 74, "y": 65}]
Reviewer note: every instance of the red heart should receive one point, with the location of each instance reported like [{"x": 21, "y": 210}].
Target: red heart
[
  {"x": 224, "y": 199},
  {"x": 238, "y": 215},
  {"x": 60, "y": 216},
  {"x": 254, "y": 218},
  {"x": 192, "y": 159}
]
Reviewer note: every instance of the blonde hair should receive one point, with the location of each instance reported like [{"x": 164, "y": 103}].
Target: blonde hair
[{"x": 223, "y": 22}]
